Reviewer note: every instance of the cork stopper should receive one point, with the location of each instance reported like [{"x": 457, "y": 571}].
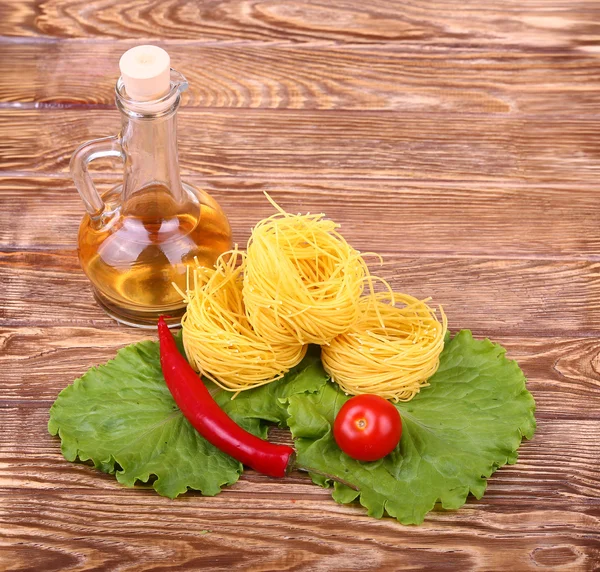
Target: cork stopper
[{"x": 146, "y": 72}]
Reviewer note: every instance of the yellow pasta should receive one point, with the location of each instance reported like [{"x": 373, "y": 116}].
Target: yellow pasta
[
  {"x": 391, "y": 351},
  {"x": 249, "y": 320},
  {"x": 218, "y": 339},
  {"x": 302, "y": 280}
]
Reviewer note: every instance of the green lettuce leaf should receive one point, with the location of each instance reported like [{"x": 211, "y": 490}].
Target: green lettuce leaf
[
  {"x": 269, "y": 402},
  {"x": 456, "y": 433},
  {"x": 121, "y": 416}
]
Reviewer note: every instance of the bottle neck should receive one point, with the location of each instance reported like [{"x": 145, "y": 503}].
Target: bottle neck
[
  {"x": 152, "y": 187},
  {"x": 151, "y": 160}
]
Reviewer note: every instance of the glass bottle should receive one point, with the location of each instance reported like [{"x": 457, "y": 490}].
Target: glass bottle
[{"x": 136, "y": 240}]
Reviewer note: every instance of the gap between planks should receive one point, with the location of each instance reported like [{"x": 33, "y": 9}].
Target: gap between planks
[
  {"x": 19, "y": 403},
  {"x": 446, "y": 255},
  {"x": 418, "y": 49},
  {"x": 109, "y": 177},
  {"x": 105, "y": 323},
  {"x": 74, "y": 106}
]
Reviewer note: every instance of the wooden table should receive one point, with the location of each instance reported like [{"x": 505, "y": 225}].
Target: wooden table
[{"x": 459, "y": 139}]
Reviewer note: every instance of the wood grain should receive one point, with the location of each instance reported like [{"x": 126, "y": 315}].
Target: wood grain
[
  {"x": 563, "y": 373},
  {"x": 535, "y": 24},
  {"x": 491, "y": 220},
  {"x": 62, "y": 495},
  {"x": 315, "y": 143},
  {"x": 461, "y": 140},
  {"x": 259, "y": 538},
  {"x": 490, "y": 297},
  {"x": 58, "y": 74}
]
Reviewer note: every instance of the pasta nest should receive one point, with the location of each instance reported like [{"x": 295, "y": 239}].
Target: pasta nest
[
  {"x": 302, "y": 280},
  {"x": 219, "y": 341},
  {"x": 391, "y": 351}
]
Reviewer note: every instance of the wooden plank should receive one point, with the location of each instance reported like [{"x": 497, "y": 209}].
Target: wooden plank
[
  {"x": 517, "y": 220},
  {"x": 552, "y": 468},
  {"x": 563, "y": 373},
  {"x": 491, "y": 297},
  {"x": 536, "y": 24},
  {"x": 289, "y": 142},
  {"x": 92, "y": 531},
  {"x": 308, "y": 77},
  {"x": 461, "y": 140},
  {"x": 310, "y": 143},
  {"x": 71, "y": 512}
]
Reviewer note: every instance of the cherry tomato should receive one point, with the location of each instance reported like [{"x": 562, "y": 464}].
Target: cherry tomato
[{"x": 367, "y": 427}]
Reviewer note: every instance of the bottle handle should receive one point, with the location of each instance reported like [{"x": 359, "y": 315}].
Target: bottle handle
[{"x": 83, "y": 156}]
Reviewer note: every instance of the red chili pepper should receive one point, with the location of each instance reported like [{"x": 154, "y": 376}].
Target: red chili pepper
[{"x": 203, "y": 412}]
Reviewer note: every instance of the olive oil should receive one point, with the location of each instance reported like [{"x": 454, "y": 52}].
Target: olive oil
[
  {"x": 137, "y": 241},
  {"x": 145, "y": 246}
]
